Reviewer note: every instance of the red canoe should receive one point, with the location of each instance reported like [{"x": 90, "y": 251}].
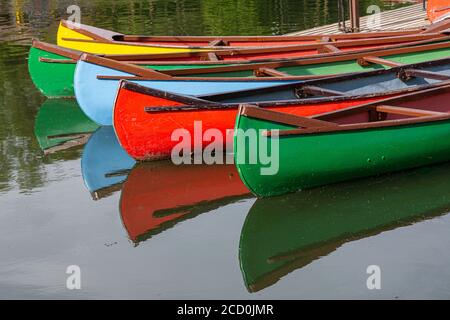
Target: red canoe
[{"x": 158, "y": 195}]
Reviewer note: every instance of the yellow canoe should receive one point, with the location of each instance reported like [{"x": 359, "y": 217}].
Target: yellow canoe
[{"x": 99, "y": 41}]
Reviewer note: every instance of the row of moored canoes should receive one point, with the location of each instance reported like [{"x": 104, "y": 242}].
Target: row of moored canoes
[{"x": 325, "y": 108}]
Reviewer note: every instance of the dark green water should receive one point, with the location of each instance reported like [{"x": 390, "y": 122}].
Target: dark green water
[{"x": 49, "y": 220}]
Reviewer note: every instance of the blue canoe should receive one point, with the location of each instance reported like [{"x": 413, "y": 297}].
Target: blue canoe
[
  {"x": 96, "y": 96},
  {"x": 104, "y": 164}
]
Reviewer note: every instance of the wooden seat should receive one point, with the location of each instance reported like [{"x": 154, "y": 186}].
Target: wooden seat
[
  {"x": 366, "y": 61},
  {"x": 318, "y": 91}
]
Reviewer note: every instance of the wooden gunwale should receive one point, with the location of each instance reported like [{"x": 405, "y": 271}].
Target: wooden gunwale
[
  {"x": 68, "y": 53},
  {"x": 195, "y": 105},
  {"x": 420, "y": 47},
  {"x": 405, "y": 40},
  {"x": 278, "y": 117},
  {"x": 147, "y": 74},
  {"x": 125, "y": 67},
  {"x": 438, "y": 28}
]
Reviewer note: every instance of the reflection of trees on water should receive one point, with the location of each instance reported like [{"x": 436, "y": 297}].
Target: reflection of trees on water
[
  {"x": 19, "y": 154},
  {"x": 180, "y": 16},
  {"x": 20, "y": 161}
]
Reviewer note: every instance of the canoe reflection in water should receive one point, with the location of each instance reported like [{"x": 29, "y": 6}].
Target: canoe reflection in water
[
  {"x": 61, "y": 125},
  {"x": 286, "y": 233},
  {"x": 158, "y": 195},
  {"x": 104, "y": 164}
]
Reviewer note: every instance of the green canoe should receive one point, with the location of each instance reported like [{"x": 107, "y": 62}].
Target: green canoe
[
  {"x": 287, "y": 233},
  {"x": 390, "y": 135},
  {"x": 52, "y": 68},
  {"x": 60, "y": 124}
]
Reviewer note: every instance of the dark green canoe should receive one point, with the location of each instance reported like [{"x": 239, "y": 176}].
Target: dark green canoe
[
  {"x": 390, "y": 135},
  {"x": 52, "y": 69},
  {"x": 287, "y": 233}
]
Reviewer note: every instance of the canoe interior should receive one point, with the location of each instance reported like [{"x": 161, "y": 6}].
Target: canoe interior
[
  {"x": 438, "y": 101},
  {"x": 320, "y": 68},
  {"x": 367, "y": 83}
]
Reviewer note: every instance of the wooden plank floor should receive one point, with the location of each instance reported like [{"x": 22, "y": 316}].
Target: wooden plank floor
[{"x": 409, "y": 17}]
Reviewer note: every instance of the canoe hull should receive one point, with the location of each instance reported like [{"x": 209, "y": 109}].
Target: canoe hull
[
  {"x": 53, "y": 80},
  {"x": 310, "y": 160}
]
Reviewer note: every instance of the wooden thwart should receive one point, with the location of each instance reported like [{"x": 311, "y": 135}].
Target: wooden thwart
[
  {"x": 318, "y": 91},
  {"x": 411, "y": 73},
  {"x": 366, "y": 61},
  {"x": 264, "y": 72},
  {"x": 328, "y": 48},
  {"x": 408, "y": 111},
  {"x": 212, "y": 56},
  {"x": 218, "y": 42}
]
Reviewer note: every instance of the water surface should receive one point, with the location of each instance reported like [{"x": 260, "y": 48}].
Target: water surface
[{"x": 159, "y": 231}]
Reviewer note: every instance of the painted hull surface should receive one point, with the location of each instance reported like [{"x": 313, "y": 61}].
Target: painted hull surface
[
  {"x": 325, "y": 157},
  {"x": 61, "y": 124},
  {"x": 158, "y": 195},
  {"x": 287, "y": 233},
  {"x": 53, "y": 80},
  {"x": 96, "y": 97},
  {"x": 104, "y": 164},
  {"x": 65, "y": 36}
]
